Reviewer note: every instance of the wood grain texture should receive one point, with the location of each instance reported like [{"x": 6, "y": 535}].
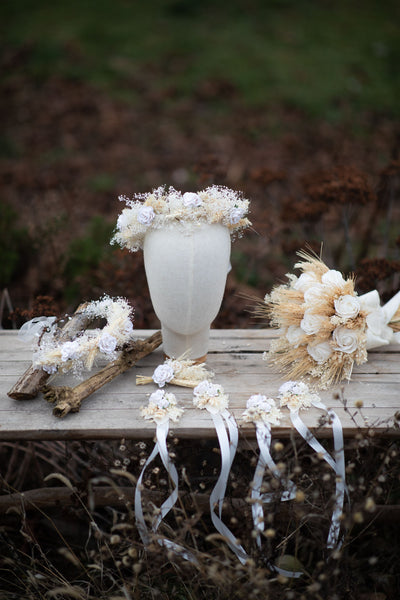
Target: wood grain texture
[{"x": 236, "y": 358}]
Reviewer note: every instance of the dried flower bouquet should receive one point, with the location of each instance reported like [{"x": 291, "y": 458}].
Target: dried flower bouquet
[{"x": 325, "y": 327}]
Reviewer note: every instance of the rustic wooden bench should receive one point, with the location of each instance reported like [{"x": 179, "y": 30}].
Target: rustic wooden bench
[{"x": 236, "y": 357}]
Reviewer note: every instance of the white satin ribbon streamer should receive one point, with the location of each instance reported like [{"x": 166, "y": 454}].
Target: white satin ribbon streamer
[
  {"x": 379, "y": 333},
  {"x": 228, "y": 447},
  {"x": 33, "y": 329},
  {"x": 263, "y": 433},
  {"x": 337, "y": 464},
  {"x": 140, "y": 522},
  {"x": 161, "y": 449}
]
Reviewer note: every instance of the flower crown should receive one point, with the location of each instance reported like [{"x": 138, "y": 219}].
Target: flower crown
[
  {"x": 161, "y": 207},
  {"x": 80, "y": 353}
]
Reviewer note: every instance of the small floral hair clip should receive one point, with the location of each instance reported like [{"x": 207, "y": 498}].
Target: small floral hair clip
[
  {"x": 296, "y": 395},
  {"x": 182, "y": 372},
  {"x": 162, "y": 407},
  {"x": 210, "y": 396},
  {"x": 260, "y": 409}
]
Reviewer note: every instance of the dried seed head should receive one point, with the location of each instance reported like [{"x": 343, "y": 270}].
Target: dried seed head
[
  {"x": 370, "y": 505},
  {"x": 270, "y": 532}
]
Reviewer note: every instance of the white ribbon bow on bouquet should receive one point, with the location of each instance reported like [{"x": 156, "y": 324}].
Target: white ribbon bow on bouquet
[
  {"x": 378, "y": 331},
  {"x": 212, "y": 397},
  {"x": 161, "y": 408}
]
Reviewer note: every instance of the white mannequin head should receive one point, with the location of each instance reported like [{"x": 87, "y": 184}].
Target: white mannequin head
[{"x": 186, "y": 268}]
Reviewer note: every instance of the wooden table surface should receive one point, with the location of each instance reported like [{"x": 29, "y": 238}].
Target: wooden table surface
[{"x": 236, "y": 357}]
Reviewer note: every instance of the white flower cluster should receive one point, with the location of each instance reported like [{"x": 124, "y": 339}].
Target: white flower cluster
[
  {"x": 158, "y": 209},
  {"x": 344, "y": 337},
  {"x": 162, "y": 407},
  {"x": 210, "y": 396},
  {"x": 296, "y": 395},
  {"x": 80, "y": 353},
  {"x": 322, "y": 324},
  {"x": 259, "y": 408}
]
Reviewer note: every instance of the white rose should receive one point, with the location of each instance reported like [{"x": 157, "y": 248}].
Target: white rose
[
  {"x": 205, "y": 388},
  {"x": 313, "y": 294},
  {"x": 311, "y": 323},
  {"x": 320, "y": 352},
  {"x": 346, "y": 340},
  {"x": 161, "y": 400},
  {"x": 260, "y": 401},
  {"x": 70, "y": 350},
  {"x": 157, "y": 398},
  {"x": 235, "y": 214},
  {"x": 294, "y": 335},
  {"x": 191, "y": 200},
  {"x": 347, "y": 306},
  {"x": 107, "y": 343},
  {"x": 146, "y": 215},
  {"x": 305, "y": 281},
  {"x": 333, "y": 277},
  {"x": 163, "y": 374}
]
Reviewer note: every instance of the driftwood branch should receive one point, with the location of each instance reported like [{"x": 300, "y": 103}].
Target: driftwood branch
[
  {"x": 119, "y": 497},
  {"x": 32, "y": 381},
  {"x": 69, "y": 399}
]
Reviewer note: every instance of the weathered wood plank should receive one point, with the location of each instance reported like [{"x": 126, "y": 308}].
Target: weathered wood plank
[{"x": 236, "y": 358}]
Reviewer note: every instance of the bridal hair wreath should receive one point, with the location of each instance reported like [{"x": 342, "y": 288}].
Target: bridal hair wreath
[
  {"x": 162, "y": 207},
  {"x": 80, "y": 353}
]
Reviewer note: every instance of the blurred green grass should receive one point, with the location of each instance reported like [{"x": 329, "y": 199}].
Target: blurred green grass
[{"x": 329, "y": 59}]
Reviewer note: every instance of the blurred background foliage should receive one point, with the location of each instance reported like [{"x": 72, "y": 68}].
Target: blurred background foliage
[
  {"x": 280, "y": 99},
  {"x": 322, "y": 56}
]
